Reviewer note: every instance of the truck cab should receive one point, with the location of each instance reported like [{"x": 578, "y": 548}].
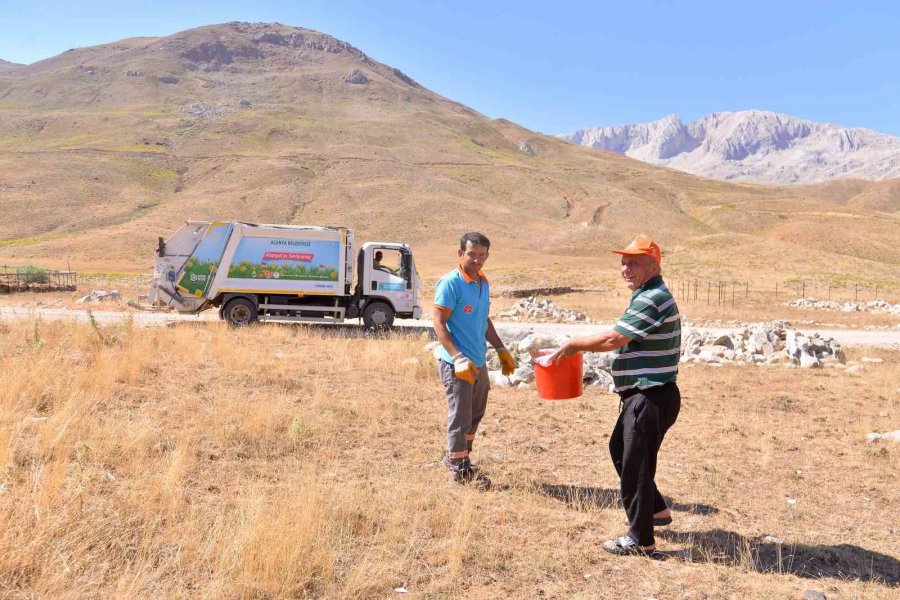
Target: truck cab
[{"x": 386, "y": 275}]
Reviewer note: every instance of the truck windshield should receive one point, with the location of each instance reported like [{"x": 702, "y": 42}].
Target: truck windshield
[{"x": 387, "y": 260}]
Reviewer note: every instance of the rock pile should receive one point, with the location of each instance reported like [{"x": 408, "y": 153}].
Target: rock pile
[
  {"x": 762, "y": 343},
  {"x": 875, "y": 306},
  {"x": 101, "y": 296},
  {"x": 525, "y": 148},
  {"x": 356, "y": 77},
  {"x": 758, "y": 343},
  {"x": 533, "y": 308},
  {"x": 206, "y": 111}
]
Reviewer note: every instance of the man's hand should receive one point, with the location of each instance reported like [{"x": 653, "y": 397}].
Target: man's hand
[
  {"x": 507, "y": 361},
  {"x": 565, "y": 351},
  {"x": 464, "y": 368}
]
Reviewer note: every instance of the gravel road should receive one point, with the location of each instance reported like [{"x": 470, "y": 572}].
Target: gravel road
[{"x": 847, "y": 337}]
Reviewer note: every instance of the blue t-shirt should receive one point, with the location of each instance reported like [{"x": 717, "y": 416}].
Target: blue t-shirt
[{"x": 469, "y": 302}]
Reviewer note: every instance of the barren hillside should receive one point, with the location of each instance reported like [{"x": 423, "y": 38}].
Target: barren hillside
[{"x": 104, "y": 148}]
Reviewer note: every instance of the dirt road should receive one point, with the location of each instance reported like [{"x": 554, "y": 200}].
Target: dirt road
[{"x": 847, "y": 337}]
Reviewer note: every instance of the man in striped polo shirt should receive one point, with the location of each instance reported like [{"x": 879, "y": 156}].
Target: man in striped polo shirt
[{"x": 647, "y": 344}]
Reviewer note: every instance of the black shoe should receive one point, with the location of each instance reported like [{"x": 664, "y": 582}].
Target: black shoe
[
  {"x": 447, "y": 463},
  {"x": 625, "y": 546},
  {"x": 463, "y": 472}
]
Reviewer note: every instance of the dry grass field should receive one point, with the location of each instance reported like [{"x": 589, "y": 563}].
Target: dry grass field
[{"x": 294, "y": 462}]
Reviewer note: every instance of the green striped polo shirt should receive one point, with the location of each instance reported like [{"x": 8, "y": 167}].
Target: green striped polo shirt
[{"x": 653, "y": 324}]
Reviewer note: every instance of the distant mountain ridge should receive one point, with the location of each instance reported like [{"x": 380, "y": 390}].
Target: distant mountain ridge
[
  {"x": 7, "y": 67},
  {"x": 755, "y": 146}
]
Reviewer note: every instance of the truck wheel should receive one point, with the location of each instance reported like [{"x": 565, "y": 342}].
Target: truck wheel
[
  {"x": 378, "y": 315},
  {"x": 239, "y": 312}
]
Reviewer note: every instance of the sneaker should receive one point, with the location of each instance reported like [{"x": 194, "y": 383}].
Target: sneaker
[{"x": 625, "y": 546}]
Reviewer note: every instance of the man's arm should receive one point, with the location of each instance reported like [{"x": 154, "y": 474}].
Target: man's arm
[
  {"x": 492, "y": 336},
  {"x": 440, "y": 316},
  {"x": 605, "y": 341}
]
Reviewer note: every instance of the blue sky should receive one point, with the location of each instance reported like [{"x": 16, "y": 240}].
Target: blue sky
[{"x": 558, "y": 66}]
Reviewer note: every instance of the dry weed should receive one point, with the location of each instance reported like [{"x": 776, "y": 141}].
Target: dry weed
[{"x": 290, "y": 462}]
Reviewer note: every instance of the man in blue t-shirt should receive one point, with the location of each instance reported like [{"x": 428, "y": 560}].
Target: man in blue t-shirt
[{"x": 462, "y": 323}]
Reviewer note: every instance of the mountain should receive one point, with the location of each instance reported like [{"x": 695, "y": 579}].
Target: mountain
[
  {"x": 7, "y": 67},
  {"x": 753, "y": 145},
  {"x": 102, "y": 149}
]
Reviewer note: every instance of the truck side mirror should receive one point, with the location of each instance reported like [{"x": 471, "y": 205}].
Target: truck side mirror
[
  {"x": 161, "y": 248},
  {"x": 405, "y": 269}
]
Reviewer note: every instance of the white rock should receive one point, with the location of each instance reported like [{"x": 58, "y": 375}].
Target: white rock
[
  {"x": 809, "y": 361},
  {"x": 538, "y": 341},
  {"x": 498, "y": 379},
  {"x": 890, "y": 436}
]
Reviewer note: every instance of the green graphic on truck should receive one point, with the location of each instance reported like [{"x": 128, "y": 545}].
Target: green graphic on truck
[
  {"x": 201, "y": 267},
  {"x": 296, "y": 260}
]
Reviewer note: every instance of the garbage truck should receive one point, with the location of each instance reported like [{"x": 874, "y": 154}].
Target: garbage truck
[{"x": 284, "y": 273}]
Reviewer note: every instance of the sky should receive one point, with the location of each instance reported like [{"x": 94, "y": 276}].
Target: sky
[{"x": 558, "y": 66}]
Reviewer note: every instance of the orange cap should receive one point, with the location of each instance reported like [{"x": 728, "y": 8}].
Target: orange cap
[{"x": 642, "y": 245}]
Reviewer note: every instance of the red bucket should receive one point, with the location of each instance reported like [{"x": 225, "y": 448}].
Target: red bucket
[{"x": 559, "y": 381}]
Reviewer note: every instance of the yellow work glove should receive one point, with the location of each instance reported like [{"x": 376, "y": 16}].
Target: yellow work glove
[
  {"x": 464, "y": 369},
  {"x": 507, "y": 361}
]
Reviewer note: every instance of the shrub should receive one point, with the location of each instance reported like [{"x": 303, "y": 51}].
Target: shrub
[{"x": 33, "y": 274}]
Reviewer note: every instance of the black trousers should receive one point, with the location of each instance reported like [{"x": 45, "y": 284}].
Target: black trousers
[{"x": 645, "y": 418}]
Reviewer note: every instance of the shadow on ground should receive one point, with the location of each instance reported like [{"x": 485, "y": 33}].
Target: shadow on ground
[
  {"x": 764, "y": 554},
  {"x": 580, "y": 497}
]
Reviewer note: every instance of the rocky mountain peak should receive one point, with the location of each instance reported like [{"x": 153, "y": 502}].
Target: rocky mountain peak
[{"x": 752, "y": 145}]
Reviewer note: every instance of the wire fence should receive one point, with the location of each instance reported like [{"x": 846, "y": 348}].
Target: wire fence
[
  {"x": 32, "y": 278},
  {"x": 734, "y": 293}
]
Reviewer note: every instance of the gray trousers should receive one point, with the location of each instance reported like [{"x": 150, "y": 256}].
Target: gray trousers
[{"x": 466, "y": 404}]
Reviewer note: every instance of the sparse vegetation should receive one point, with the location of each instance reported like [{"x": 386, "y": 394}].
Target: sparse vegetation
[
  {"x": 164, "y": 463},
  {"x": 29, "y": 273}
]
